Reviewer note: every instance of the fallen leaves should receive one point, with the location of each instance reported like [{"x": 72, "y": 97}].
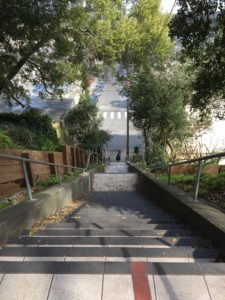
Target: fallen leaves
[
  {"x": 161, "y": 233},
  {"x": 57, "y": 217}
]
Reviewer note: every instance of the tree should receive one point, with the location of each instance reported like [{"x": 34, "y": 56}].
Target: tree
[
  {"x": 53, "y": 42},
  {"x": 30, "y": 130},
  {"x": 200, "y": 27},
  {"x": 146, "y": 41},
  {"x": 157, "y": 104},
  {"x": 83, "y": 124},
  {"x": 192, "y": 146}
]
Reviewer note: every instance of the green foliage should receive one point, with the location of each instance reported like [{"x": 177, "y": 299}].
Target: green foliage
[
  {"x": 5, "y": 141},
  {"x": 55, "y": 42},
  {"x": 213, "y": 181},
  {"x": 208, "y": 182},
  {"x": 145, "y": 45},
  {"x": 200, "y": 27},
  {"x": 157, "y": 109},
  {"x": 31, "y": 129},
  {"x": 4, "y": 205},
  {"x": 84, "y": 125},
  {"x": 52, "y": 180},
  {"x": 68, "y": 176}
]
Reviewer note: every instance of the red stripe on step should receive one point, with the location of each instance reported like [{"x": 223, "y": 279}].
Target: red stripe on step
[{"x": 140, "y": 281}]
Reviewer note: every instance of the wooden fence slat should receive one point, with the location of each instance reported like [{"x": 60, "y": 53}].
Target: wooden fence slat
[{"x": 11, "y": 171}]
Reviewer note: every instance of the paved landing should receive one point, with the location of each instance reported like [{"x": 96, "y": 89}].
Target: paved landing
[{"x": 120, "y": 245}]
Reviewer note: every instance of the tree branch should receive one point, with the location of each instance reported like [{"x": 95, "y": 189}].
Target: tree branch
[
  {"x": 42, "y": 77},
  {"x": 15, "y": 69},
  {"x": 19, "y": 102},
  {"x": 23, "y": 60},
  {"x": 86, "y": 31}
]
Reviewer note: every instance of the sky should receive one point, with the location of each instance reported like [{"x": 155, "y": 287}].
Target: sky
[{"x": 167, "y": 5}]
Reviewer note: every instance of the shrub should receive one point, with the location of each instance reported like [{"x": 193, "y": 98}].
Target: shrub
[
  {"x": 30, "y": 129},
  {"x": 52, "y": 180},
  {"x": 5, "y": 140}
]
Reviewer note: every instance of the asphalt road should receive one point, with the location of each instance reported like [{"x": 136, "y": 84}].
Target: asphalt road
[{"x": 113, "y": 109}]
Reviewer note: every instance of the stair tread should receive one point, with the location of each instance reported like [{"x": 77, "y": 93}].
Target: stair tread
[
  {"x": 115, "y": 232},
  {"x": 47, "y": 267},
  {"x": 76, "y": 225},
  {"x": 129, "y": 240},
  {"x": 111, "y": 251}
]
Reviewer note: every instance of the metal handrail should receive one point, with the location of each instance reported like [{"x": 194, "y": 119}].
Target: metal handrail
[
  {"x": 24, "y": 160},
  {"x": 41, "y": 162},
  {"x": 217, "y": 155},
  {"x": 199, "y": 170}
]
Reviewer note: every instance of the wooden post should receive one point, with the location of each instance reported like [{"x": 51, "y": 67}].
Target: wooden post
[
  {"x": 78, "y": 157},
  {"x": 83, "y": 159},
  {"x": 73, "y": 158},
  {"x": 65, "y": 157},
  {"x": 91, "y": 160},
  {"x": 51, "y": 159},
  {"x": 30, "y": 170}
]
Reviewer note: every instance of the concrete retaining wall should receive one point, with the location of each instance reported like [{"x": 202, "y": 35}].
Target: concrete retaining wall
[
  {"x": 16, "y": 218},
  {"x": 199, "y": 215}
]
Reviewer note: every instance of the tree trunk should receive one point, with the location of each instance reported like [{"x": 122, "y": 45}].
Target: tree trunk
[
  {"x": 146, "y": 141},
  {"x": 15, "y": 70},
  {"x": 173, "y": 155}
]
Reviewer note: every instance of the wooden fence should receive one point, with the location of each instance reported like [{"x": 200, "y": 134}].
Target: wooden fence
[{"x": 11, "y": 172}]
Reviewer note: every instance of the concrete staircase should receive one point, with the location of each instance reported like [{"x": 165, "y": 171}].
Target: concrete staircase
[{"x": 112, "y": 232}]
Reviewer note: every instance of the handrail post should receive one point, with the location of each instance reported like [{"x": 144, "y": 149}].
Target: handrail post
[
  {"x": 75, "y": 161},
  {"x": 169, "y": 175},
  {"x": 195, "y": 196},
  {"x": 27, "y": 182},
  {"x": 88, "y": 161},
  {"x": 57, "y": 174}
]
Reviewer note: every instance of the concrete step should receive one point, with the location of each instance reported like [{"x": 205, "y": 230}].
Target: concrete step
[
  {"x": 128, "y": 221},
  {"x": 112, "y": 233},
  {"x": 115, "y": 182},
  {"x": 104, "y": 241},
  {"x": 115, "y": 252},
  {"x": 99, "y": 225},
  {"x": 46, "y": 267}
]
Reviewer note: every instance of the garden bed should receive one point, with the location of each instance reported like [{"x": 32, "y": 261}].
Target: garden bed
[{"x": 212, "y": 186}]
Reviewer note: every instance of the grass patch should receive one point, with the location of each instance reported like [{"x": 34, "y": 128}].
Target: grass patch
[
  {"x": 208, "y": 182},
  {"x": 52, "y": 180},
  {"x": 183, "y": 181},
  {"x": 212, "y": 186},
  {"x": 4, "y": 205}
]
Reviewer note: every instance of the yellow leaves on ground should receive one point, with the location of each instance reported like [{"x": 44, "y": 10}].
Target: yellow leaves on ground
[
  {"x": 162, "y": 233},
  {"x": 57, "y": 217}
]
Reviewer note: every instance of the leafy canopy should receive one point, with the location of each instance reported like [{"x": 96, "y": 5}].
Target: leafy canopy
[
  {"x": 157, "y": 104},
  {"x": 29, "y": 130},
  {"x": 53, "y": 42},
  {"x": 145, "y": 44},
  {"x": 200, "y": 26},
  {"x": 83, "y": 124}
]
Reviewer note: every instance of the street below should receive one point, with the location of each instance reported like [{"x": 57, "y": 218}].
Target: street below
[{"x": 113, "y": 109}]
